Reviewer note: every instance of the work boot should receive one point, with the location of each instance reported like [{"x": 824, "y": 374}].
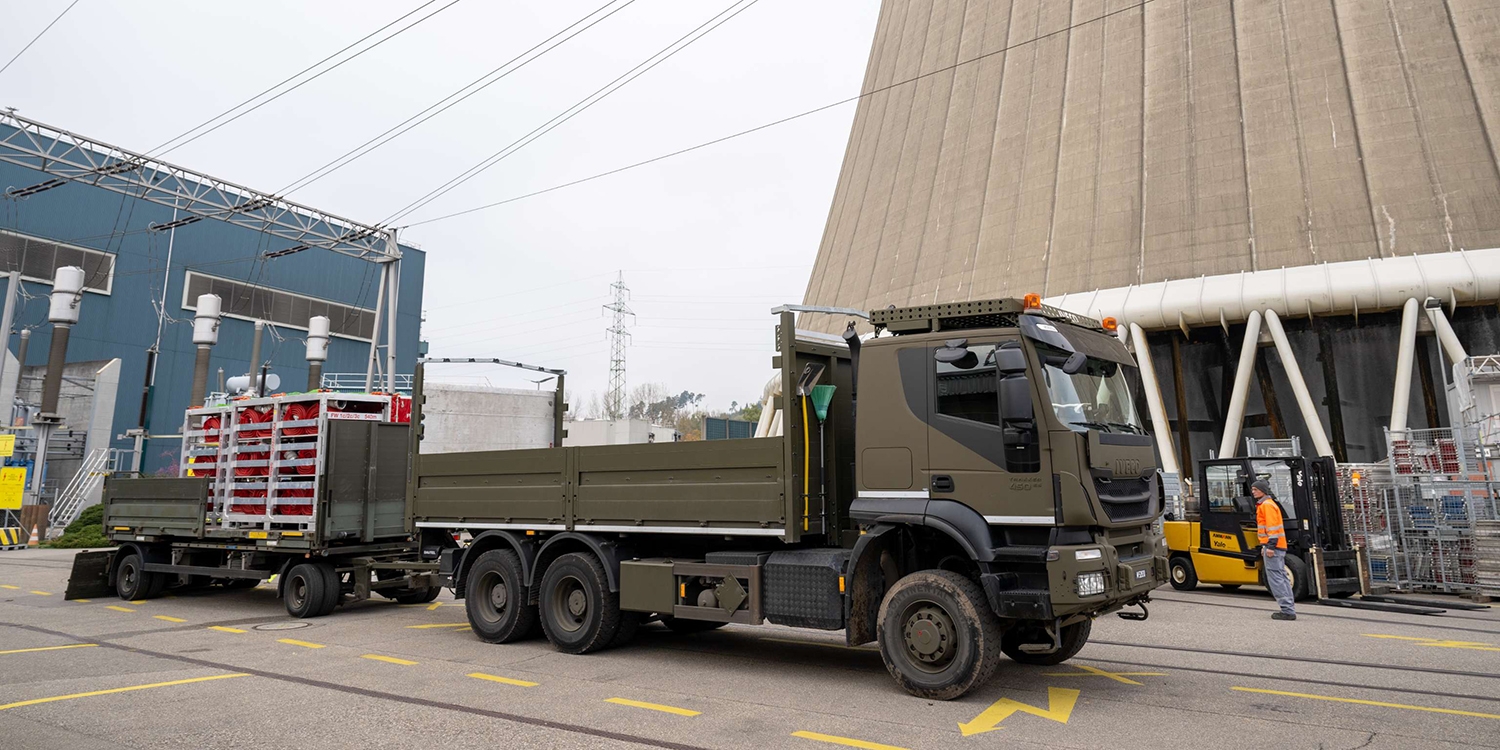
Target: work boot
[{"x": 1282, "y": 616}]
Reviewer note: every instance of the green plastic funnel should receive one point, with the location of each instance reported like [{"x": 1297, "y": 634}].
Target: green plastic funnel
[{"x": 822, "y": 396}]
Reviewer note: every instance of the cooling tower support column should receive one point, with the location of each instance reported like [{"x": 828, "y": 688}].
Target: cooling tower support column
[
  {"x": 1401, "y": 394},
  {"x": 1160, "y": 427},
  {"x": 1234, "y": 420},
  {"x": 1445, "y": 334},
  {"x": 1299, "y": 386}
]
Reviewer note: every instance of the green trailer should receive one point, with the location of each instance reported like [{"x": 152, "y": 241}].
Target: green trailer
[{"x": 973, "y": 481}]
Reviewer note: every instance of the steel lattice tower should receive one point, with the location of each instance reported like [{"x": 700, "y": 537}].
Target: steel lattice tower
[{"x": 619, "y": 338}]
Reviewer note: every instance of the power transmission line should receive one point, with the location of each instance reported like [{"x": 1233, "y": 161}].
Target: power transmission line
[
  {"x": 619, "y": 338},
  {"x": 38, "y": 36},
  {"x": 401, "y": 128},
  {"x": 158, "y": 150},
  {"x": 739, "y": 6},
  {"x": 781, "y": 121}
]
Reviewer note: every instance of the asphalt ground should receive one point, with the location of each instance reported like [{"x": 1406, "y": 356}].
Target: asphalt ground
[{"x": 229, "y": 669}]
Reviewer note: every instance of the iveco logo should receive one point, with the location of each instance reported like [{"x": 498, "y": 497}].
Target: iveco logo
[{"x": 1127, "y": 466}]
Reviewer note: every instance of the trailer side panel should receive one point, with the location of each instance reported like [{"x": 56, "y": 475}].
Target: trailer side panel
[
  {"x": 156, "y": 506},
  {"x": 511, "y": 487},
  {"x": 720, "y": 483}
]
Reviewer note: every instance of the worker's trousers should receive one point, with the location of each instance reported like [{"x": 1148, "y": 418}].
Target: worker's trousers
[{"x": 1277, "y": 580}]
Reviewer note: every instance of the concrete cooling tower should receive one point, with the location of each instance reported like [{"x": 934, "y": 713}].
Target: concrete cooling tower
[{"x": 1200, "y": 170}]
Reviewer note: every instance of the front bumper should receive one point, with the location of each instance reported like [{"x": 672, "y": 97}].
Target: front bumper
[{"x": 1124, "y": 580}]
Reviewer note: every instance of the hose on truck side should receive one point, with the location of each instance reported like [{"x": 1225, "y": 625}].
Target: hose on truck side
[{"x": 806, "y": 464}]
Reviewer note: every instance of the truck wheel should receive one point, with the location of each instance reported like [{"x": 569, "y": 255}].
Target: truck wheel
[
  {"x": 1073, "y": 638},
  {"x": 131, "y": 582},
  {"x": 306, "y": 592},
  {"x": 630, "y": 623},
  {"x": 333, "y": 593},
  {"x": 937, "y": 636},
  {"x": 1301, "y": 575},
  {"x": 495, "y": 599},
  {"x": 686, "y": 627},
  {"x": 418, "y": 596},
  {"x": 1184, "y": 578},
  {"x": 579, "y": 612}
]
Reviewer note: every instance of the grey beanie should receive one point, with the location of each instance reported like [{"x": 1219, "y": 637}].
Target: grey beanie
[{"x": 1263, "y": 486}]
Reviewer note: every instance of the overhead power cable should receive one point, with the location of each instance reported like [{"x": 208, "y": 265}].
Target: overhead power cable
[
  {"x": 781, "y": 121},
  {"x": 666, "y": 53},
  {"x": 178, "y": 142},
  {"x": 39, "y": 35},
  {"x": 494, "y": 77}
]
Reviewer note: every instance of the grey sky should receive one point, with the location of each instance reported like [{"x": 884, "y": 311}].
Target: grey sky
[{"x": 709, "y": 241}]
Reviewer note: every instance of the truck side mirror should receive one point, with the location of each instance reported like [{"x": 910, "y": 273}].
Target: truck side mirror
[
  {"x": 1010, "y": 361},
  {"x": 1015, "y": 399}
]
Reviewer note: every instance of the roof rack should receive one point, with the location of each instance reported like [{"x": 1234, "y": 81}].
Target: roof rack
[{"x": 950, "y": 316}]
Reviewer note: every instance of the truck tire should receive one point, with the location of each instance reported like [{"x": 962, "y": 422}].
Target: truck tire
[
  {"x": 1073, "y": 638},
  {"x": 131, "y": 582},
  {"x": 495, "y": 597},
  {"x": 418, "y": 596},
  {"x": 630, "y": 623},
  {"x": 333, "y": 594},
  {"x": 1184, "y": 577},
  {"x": 306, "y": 591},
  {"x": 687, "y": 627},
  {"x": 579, "y": 612},
  {"x": 937, "y": 635}
]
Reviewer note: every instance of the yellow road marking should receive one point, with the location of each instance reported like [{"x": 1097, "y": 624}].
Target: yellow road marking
[
  {"x": 388, "y": 659},
  {"x": 295, "y": 642},
  {"x": 502, "y": 680},
  {"x": 84, "y": 601},
  {"x": 1116, "y": 676},
  {"x": 846, "y": 741},
  {"x": 1436, "y": 643},
  {"x": 1396, "y": 637},
  {"x": 653, "y": 707},
  {"x": 1381, "y": 704},
  {"x": 118, "y": 608},
  {"x": 41, "y": 593},
  {"x": 35, "y": 701},
  {"x": 825, "y": 644},
  {"x": 169, "y": 619},
  {"x": 1060, "y": 703},
  {"x": 137, "y": 601},
  {"x": 223, "y": 629},
  {"x": 48, "y": 648},
  {"x": 8, "y": 586},
  {"x": 434, "y": 605},
  {"x": 440, "y": 625}
]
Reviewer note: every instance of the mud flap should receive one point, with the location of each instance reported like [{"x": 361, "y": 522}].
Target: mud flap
[{"x": 90, "y": 577}]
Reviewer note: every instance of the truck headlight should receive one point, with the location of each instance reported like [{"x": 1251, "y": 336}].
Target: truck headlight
[
  {"x": 1090, "y": 584},
  {"x": 1088, "y": 554}
]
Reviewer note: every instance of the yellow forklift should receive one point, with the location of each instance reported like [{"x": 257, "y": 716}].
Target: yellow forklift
[{"x": 1217, "y": 543}]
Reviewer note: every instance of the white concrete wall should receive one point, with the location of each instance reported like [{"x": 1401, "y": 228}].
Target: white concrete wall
[
  {"x": 616, "y": 432},
  {"x": 462, "y": 418}
]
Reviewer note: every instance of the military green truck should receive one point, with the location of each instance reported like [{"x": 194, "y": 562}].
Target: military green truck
[{"x": 972, "y": 481}]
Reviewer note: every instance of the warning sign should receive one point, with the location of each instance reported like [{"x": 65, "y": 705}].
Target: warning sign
[
  {"x": 8, "y": 444},
  {"x": 12, "y": 485}
]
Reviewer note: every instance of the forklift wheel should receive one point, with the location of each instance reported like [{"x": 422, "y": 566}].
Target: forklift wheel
[{"x": 1184, "y": 578}]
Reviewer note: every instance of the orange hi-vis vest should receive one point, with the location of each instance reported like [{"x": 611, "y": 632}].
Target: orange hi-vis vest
[{"x": 1270, "y": 527}]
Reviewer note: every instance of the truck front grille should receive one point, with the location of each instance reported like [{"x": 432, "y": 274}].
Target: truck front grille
[{"x": 1126, "y": 498}]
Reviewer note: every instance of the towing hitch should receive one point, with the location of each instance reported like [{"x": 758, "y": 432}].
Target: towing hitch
[{"x": 1136, "y": 616}]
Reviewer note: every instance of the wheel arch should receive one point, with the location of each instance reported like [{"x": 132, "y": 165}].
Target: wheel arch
[
  {"x": 572, "y": 541},
  {"x": 152, "y": 553},
  {"x": 494, "y": 539}
]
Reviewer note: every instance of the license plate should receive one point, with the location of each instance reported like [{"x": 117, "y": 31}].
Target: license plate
[{"x": 1140, "y": 575}]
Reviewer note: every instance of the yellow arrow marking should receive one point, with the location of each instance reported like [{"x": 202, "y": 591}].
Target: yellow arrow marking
[
  {"x": 1060, "y": 702},
  {"x": 1116, "y": 676}
]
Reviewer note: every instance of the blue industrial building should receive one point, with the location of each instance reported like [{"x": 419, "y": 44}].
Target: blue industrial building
[{"x": 111, "y": 237}]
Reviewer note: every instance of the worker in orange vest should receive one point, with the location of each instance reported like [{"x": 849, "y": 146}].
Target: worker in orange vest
[{"x": 1270, "y": 529}]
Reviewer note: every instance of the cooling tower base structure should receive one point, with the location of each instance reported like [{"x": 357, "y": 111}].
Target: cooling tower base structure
[{"x": 1094, "y": 149}]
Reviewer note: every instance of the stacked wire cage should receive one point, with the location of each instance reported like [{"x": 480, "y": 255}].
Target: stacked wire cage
[
  {"x": 1442, "y": 490},
  {"x": 265, "y": 456},
  {"x": 1364, "y": 490}
]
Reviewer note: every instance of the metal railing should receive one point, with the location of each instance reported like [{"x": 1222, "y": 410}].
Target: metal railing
[
  {"x": 354, "y": 382},
  {"x": 74, "y": 497}
]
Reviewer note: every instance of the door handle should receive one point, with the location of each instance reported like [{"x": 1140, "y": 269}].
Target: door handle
[{"x": 942, "y": 483}]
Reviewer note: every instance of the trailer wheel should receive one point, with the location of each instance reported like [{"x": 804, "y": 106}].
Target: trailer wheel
[
  {"x": 306, "y": 591},
  {"x": 1184, "y": 578},
  {"x": 132, "y": 582},
  {"x": 1073, "y": 638},
  {"x": 495, "y": 597},
  {"x": 333, "y": 594},
  {"x": 418, "y": 596},
  {"x": 579, "y": 612},
  {"x": 687, "y": 627},
  {"x": 937, "y": 635}
]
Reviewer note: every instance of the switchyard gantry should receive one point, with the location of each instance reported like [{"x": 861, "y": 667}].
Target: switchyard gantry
[{"x": 69, "y": 157}]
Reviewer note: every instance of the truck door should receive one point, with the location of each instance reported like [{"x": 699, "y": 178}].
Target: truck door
[
  {"x": 984, "y": 451},
  {"x": 1227, "y": 510}
]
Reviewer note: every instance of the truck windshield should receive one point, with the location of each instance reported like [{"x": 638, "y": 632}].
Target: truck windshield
[{"x": 1096, "y": 397}]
